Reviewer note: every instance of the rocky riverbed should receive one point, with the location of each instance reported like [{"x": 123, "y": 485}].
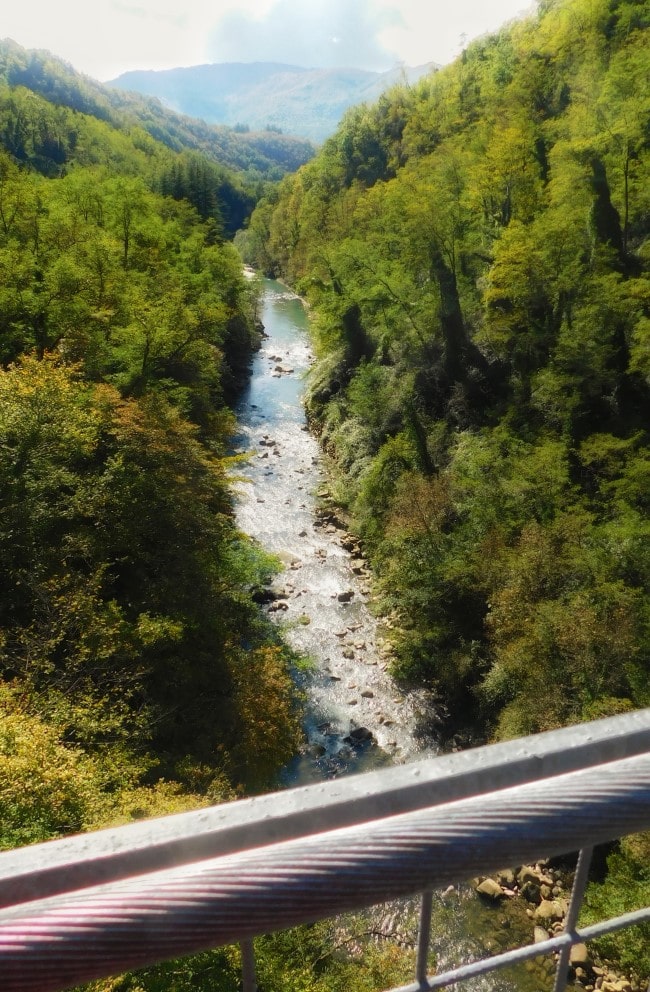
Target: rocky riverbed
[
  {"x": 543, "y": 891},
  {"x": 356, "y": 716}
]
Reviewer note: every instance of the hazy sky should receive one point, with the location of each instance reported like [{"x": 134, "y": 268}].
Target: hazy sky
[{"x": 106, "y": 37}]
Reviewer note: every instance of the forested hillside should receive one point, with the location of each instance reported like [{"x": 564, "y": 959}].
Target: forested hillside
[
  {"x": 132, "y": 655},
  {"x": 262, "y": 156},
  {"x": 476, "y": 252}
]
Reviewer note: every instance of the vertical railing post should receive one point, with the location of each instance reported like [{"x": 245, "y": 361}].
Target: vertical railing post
[
  {"x": 249, "y": 980},
  {"x": 424, "y": 939},
  {"x": 580, "y": 880}
]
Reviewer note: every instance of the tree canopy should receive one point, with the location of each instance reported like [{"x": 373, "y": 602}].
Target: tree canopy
[
  {"x": 132, "y": 654},
  {"x": 475, "y": 252}
]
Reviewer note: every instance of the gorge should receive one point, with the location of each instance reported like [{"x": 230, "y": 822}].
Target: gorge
[{"x": 356, "y": 716}]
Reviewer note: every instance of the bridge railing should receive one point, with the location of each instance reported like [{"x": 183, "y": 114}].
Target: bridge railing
[{"x": 99, "y": 904}]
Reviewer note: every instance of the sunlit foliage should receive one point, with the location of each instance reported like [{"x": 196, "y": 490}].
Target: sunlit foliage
[{"x": 479, "y": 283}]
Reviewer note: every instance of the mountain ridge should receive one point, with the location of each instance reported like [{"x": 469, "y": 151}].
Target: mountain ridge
[
  {"x": 303, "y": 101},
  {"x": 264, "y": 156}
]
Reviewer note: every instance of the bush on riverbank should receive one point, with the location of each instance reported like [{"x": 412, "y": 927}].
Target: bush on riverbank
[{"x": 625, "y": 888}]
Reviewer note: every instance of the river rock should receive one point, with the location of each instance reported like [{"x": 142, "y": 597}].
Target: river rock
[
  {"x": 345, "y": 597},
  {"x": 539, "y": 935},
  {"x": 490, "y": 889},
  {"x": 368, "y": 694},
  {"x": 264, "y": 596},
  {"x": 530, "y": 891},
  {"x": 359, "y": 735},
  {"x": 527, "y": 874},
  {"x": 550, "y": 910},
  {"x": 579, "y": 956}
]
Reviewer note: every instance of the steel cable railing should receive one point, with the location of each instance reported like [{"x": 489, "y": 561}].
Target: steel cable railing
[{"x": 242, "y": 890}]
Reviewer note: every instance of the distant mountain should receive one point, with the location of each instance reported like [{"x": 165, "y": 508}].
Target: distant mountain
[{"x": 304, "y": 102}]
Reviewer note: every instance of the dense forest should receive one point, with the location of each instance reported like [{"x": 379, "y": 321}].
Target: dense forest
[
  {"x": 132, "y": 655},
  {"x": 475, "y": 250},
  {"x": 25, "y": 74}
]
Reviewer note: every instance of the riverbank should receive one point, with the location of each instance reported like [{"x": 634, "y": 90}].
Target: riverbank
[{"x": 544, "y": 889}]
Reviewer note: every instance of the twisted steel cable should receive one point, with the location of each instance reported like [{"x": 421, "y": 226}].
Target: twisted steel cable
[{"x": 54, "y": 944}]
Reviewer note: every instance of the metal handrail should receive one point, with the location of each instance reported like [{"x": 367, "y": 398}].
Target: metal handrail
[{"x": 95, "y": 905}]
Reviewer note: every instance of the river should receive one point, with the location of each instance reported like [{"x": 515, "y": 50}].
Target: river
[
  {"x": 356, "y": 717},
  {"x": 322, "y": 594}
]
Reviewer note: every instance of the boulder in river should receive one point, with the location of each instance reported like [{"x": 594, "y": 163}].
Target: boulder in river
[
  {"x": 490, "y": 889},
  {"x": 359, "y": 736},
  {"x": 550, "y": 910},
  {"x": 579, "y": 956},
  {"x": 264, "y": 595},
  {"x": 345, "y": 597}
]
